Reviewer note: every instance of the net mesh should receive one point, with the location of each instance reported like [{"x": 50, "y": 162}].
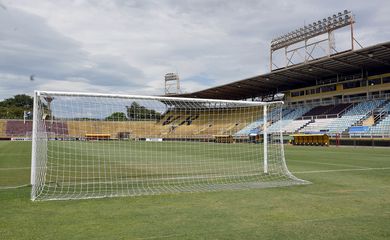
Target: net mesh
[{"x": 91, "y": 146}]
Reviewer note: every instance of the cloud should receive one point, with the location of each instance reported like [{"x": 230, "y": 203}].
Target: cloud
[
  {"x": 29, "y": 46},
  {"x": 128, "y": 46}
]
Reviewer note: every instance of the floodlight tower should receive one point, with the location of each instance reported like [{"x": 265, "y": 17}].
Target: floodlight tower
[
  {"x": 325, "y": 27},
  {"x": 172, "y": 83}
]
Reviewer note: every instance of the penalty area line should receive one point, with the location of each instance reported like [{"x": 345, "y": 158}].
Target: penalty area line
[
  {"x": 15, "y": 168},
  {"x": 343, "y": 170},
  {"x": 14, "y": 187}
]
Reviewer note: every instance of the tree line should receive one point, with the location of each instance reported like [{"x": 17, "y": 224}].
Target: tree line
[
  {"x": 16, "y": 106},
  {"x": 135, "y": 112}
]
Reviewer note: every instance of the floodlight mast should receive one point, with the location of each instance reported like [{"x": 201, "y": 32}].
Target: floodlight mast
[
  {"x": 172, "y": 84},
  {"x": 307, "y": 32}
]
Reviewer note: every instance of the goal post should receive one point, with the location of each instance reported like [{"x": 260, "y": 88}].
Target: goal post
[
  {"x": 265, "y": 140},
  {"x": 88, "y": 145}
]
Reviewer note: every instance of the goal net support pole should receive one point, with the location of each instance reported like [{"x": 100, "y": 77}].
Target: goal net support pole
[
  {"x": 90, "y": 145},
  {"x": 265, "y": 139},
  {"x": 34, "y": 139}
]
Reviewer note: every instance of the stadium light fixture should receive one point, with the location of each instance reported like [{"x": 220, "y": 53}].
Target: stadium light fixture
[
  {"x": 303, "y": 34},
  {"x": 331, "y": 23}
]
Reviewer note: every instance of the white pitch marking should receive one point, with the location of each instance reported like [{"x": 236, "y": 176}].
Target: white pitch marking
[
  {"x": 330, "y": 164},
  {"x": 344, "y": 170},
  {"x": 14, "y": 187},
  {"x": 19, "y": 168}
]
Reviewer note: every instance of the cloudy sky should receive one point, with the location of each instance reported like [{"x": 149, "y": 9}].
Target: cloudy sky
[{"x": 125, "y": 46}]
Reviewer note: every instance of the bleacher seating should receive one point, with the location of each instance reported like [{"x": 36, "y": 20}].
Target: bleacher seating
[
  {"x": 318, "y": 125},
  {"x": 383, "y": 126},
  {"x": 17, "y": 128},
  {"x": 285, "y": 123},
  {"x": 354, "y": 115},
  {"x": 294, "y": 120},
  {"x": 341, "y": 124},
  {"x": 58, "y": 128},
  {"x": 358, "y": 130},
  {"x": 135, "y": 128},
  {"x": 256, "y": 126},
  {"x": 319, "y": 110},
  {"x": 297, "y": 112},
  {"x": 337, "y": 109},
  {"x": 251, "y": 128},
  {"x": 364, "y": 108},
  {"x": 293, "y": 125},
  {"x": 329, "y": 110},
  {"x": 208, "y": 122}
]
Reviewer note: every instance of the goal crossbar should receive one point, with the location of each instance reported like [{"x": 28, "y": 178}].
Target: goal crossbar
[{"x": 124, "y": 96}]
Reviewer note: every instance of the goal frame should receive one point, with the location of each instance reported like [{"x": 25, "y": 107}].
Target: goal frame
[{"x": 38, "y": 94}]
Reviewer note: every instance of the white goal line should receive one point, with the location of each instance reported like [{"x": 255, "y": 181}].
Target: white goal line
[{"x": 344, "y": 170}]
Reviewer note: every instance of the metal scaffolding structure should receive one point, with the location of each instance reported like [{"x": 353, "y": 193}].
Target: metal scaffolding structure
[
  {"x": 321, "y": 33},
  {"x": 172, "y": 84}
]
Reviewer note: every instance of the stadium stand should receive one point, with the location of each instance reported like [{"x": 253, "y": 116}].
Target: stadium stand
[
  {"x": 341, "y": 118},
  {"x": 338, "y": 109},
  {"x": 17, "y": 128},
  {"x": 3, "y": 128},
  {"x": 341, "y": 124},
  {"x": 206, "y": 122},
  {"x": 58, "y": 128},
  {"x": 365, "y": 107},
  {"x": 295, "y": 125},
  {"x": 254, "y": 127},
  {"x": 287, "y": 123},
  {"x": 319, "y": 110},
  {"x": 318, "y": 125},
  {"x": 135, "y": 128},
  {"x": 173, "y": 124},
  {"x": 383, "y": 125},
  {"x": 308, "y": 119},
  {"x": 333, "y": 110}
]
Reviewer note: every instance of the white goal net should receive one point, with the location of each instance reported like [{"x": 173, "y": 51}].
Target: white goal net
[{"x": 103, "y": 145}]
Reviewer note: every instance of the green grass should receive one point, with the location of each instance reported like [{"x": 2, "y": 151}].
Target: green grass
[
  {"x": 349, "y": 199},
  {"x": 85, "y": 169}
]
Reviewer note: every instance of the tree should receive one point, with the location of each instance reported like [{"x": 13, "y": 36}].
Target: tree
[
  {"x": 117, "y": 116},
  {"x": 16, "y": 106},
  {"x": 20, "y": 100},
  {"x": 138, "y": 112}
]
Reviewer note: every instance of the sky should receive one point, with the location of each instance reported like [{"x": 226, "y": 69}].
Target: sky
[{"x": 126, "y": 47}]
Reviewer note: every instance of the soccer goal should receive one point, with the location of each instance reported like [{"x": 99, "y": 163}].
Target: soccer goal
[{"x": 105, "y": 145}]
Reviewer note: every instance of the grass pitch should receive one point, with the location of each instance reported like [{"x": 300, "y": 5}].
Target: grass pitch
[
  {"x": 91, "y": 169},
  {"x": 349, "y": 199}
]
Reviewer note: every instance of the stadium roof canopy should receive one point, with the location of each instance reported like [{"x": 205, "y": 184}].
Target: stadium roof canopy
[{"x": 374, "y": 58}]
